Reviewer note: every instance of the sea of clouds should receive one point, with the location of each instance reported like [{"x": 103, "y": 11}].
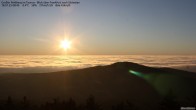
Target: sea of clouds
[{"x": 51, "y": 63}]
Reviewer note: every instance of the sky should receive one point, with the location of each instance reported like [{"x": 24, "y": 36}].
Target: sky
[{"x": 100, "y": 27}]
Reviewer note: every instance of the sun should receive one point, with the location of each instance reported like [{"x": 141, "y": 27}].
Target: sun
[{"x": 65, "y": 44}]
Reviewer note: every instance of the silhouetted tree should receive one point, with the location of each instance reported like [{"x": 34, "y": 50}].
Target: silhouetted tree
[
  {"x": 119, "y": 106},
  {"x": 56, "y": 104},
  {"x": 131, "y": 106},
  {"x": 169, "y": 102},
  {"x": 194, "y": 100},
  {"x": 9, "y": 105},
  {"x": 190, "y": 101},
  {"x": 25, "y": 104},
  {"x": 91, "y": 104},
  {"x": 71, "y": 104}
]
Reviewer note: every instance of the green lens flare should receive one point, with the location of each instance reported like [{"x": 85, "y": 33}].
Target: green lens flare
[
  {"x": 150, "y": 78},
  {"x": 136, "y": 73}
]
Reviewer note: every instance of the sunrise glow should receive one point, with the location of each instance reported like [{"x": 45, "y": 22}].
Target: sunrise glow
[{"x": 65, "y": 44}]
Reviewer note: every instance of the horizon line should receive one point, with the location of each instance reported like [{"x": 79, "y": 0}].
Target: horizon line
[{"x": 100, "y": 54}]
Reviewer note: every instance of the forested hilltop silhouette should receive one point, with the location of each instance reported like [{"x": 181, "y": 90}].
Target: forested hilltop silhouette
[
  {"x": 167, "y": 103},
  {"x": 119, "y": 86}
]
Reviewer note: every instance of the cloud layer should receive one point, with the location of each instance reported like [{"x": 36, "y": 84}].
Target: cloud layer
[{"x": 44, "y": 63}]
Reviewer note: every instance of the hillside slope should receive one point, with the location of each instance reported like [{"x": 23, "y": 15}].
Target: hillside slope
[{"x": 109, "y": 84}]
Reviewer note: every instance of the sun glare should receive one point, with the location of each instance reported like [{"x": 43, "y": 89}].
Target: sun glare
[{"x": 65, "y": 44}]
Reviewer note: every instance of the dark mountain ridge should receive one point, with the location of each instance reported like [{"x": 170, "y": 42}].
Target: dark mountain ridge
[{"x": 108, "y": 84}]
